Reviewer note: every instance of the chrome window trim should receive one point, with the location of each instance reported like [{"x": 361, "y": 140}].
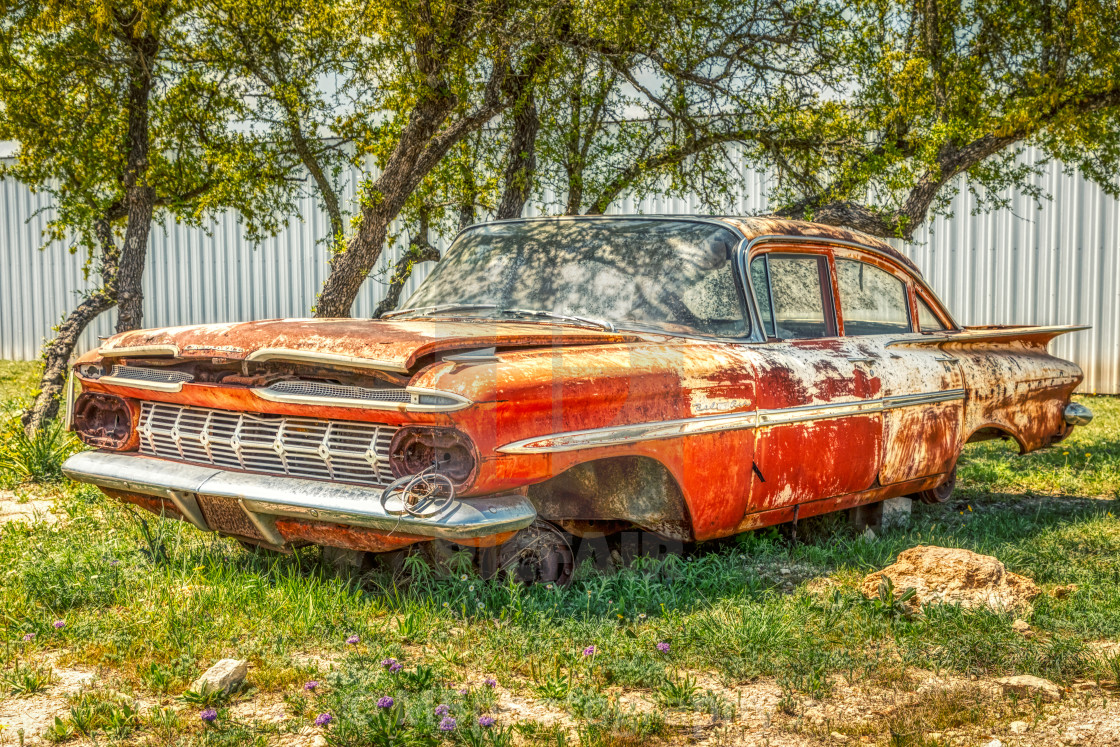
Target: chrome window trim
[
  {"x": 980, "y": 335},
  {"x": 414, "y": 406},
  {"x": 627, "y": 434},
  {"x": 784, "y": 238},
  {"x": 311, "y": 356}
]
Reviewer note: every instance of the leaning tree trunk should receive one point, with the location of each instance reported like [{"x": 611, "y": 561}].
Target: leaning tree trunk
[{"x": 57, "y": 352}]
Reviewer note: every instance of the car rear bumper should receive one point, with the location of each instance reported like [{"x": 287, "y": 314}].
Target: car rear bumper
[{"x": 265, "y": 498}]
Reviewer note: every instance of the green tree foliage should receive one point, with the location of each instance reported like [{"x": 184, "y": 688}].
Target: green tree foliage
[
  {"x": 118, "y": 122},
  {"x": 936, "y": 89}
]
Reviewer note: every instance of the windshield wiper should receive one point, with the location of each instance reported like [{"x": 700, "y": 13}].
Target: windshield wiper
[
  {"x": 599, "y": 323},
  {"x": 429, "y": 310}
]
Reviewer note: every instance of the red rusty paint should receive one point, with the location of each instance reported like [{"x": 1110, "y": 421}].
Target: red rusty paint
[
  {"x": 158, "y": 506},
  {"x": 550, "y": 378},
  {"x": 341, "y": 535}
]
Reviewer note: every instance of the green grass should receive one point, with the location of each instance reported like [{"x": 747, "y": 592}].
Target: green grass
[{"x": 152, "y": 603}]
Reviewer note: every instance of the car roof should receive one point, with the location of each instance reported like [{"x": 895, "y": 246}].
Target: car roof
[
  {"x": 752, "y": 227},
  {"x": 762, "y": 226}
]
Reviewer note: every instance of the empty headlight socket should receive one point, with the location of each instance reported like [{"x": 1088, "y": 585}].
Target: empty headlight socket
[
  {"x": 107, "y": 421},
  {"x": 417, "y": 448}
]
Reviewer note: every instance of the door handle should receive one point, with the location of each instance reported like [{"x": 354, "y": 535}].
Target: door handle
[{"x": 860, "y": 359}]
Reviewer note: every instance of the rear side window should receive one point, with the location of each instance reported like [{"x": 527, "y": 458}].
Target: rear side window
[
  {"x": 799, "y": 304},
  {"x": 873, "y": 301},
  {"x": 927, "y": 320}
]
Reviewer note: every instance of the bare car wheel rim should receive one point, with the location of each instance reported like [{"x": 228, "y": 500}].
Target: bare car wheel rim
[
  {"x": 540, "y": 553},
  {"x": 941, "y": 493}
]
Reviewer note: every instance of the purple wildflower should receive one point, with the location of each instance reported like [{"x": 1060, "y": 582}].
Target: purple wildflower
[
  {"x": 462, "y": 691},
  {"x": 388, "y": 662},
  {"x": 385, "y": 702},
  {"x": 589, "y": 651},
  {"x": 323, "y": 719},
  {"x": 442, "y": 709},
  {"x": 447, "y": 724},
  {"x": 29, "y": 637},
  {"x": 490, "y": 682},
  {"x": 310, "y": 685},
  {"x": 352, "y": 640},
  {"x": 485, "y": 722},
  {"x": 395, "y": 667},
  {"x": 59, "y": 624},
  {"x": 209, "y": 715},
  {"x": 663, "y": 647}
]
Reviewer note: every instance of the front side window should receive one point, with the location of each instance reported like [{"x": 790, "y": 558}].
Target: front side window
[
  {"x": 799, "y": 303},
  {"x": 927, "y": 320},
  {"x": 873, "y": 301},
  {"x": 664, "y": 275}
]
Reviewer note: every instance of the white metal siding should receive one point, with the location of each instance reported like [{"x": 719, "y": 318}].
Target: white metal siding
[{"x": 1056, "y": 265}]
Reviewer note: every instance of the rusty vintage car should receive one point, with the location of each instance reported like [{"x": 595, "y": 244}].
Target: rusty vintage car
[{"x": 691, "y": 377}]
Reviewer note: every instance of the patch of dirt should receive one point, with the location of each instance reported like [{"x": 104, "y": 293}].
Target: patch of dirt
[
  {"x": 30, "y": 509},
  {"x": 35, "y": 713}
]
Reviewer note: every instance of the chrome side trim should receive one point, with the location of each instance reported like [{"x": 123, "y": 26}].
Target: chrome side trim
[
  {"x": 979, "y": 335},
  {"x": 458, "y": 401},
  {"x": 626, "y": 434},
  {"x": 264, "y": 497},
  {"x": 69, "y": 422},
  {"x": 140, "y": 351},
  {"x": 310, "y": 356},
  {"x": 155, "y": 386}
]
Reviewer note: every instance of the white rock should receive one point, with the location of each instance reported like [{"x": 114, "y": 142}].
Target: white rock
[
  {"x": 226, "y": 675},
  {"x": 869, "y": 534},
  {"x": 1018, "y": 727},
  {"x": 994, "y": 743},
  {"x": 1029, "y": 686}
]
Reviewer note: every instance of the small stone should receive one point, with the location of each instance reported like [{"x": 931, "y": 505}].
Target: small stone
[
  {"x": 226, "y": 676},
  {"x": 1021, "y": 626},
  {"x": 994, "y": 743},
  {"x": 1029, "y": 686},
  {"x": 319, "y": 741},
  {"x": 1018, "y": 727},
  {"x": 838, "y": 737}
]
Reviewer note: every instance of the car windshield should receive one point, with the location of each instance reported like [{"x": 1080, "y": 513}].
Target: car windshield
[{"x": 668, "y": 275}]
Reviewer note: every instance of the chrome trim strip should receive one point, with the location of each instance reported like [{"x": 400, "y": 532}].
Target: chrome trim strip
[
  {"x": 69, "y": 422},
  {"x": 146, "y": 351},
  {"x": 366, "y": 404},
  {"x": 626, "y": 434},
  {"x": 268, "y": 496},
  {"x": 310, "y": 356},
  {"x": 155, "y": 386},
  {"x": 975, "y": 335}
]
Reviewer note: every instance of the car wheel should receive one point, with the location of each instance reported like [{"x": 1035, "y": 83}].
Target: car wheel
[
  {"x": 539, "y": 554},
  {"x": 941, "y": 493}
]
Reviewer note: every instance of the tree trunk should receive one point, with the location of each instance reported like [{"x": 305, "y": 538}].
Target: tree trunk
[
  {"x": 139, "y": 197},
  {"x": 57, "y": 352},
  {"x": 521, "y": 160},
  {"x": 419, "y": 250}
]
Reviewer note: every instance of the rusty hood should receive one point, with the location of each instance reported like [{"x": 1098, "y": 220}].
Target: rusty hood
[{"x": 372, "y": 343}]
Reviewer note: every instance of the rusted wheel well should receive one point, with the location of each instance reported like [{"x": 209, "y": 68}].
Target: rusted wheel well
[
  {"x": 611, "y": 493},
  {"x": 990, "y": 431}
]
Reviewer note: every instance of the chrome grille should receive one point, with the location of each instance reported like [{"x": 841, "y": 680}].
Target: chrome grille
[
  {"x": 338, "y": 450},
  {"x": 339, "y": 391},
  {"x": 150, "y": 374}
]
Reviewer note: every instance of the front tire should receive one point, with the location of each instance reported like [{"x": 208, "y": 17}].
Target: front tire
[{"x": 541, "y": 553}]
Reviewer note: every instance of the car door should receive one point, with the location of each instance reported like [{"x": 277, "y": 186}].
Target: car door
[
  {"x": 920, "y": 387},
  {"x": 817, "y": 435}
]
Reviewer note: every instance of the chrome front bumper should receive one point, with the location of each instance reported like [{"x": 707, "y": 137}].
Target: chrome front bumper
[{"x": 264, "y": 498}]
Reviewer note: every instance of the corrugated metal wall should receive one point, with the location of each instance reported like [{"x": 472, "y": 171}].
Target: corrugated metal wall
[{"x": 1056, "y": 265}]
